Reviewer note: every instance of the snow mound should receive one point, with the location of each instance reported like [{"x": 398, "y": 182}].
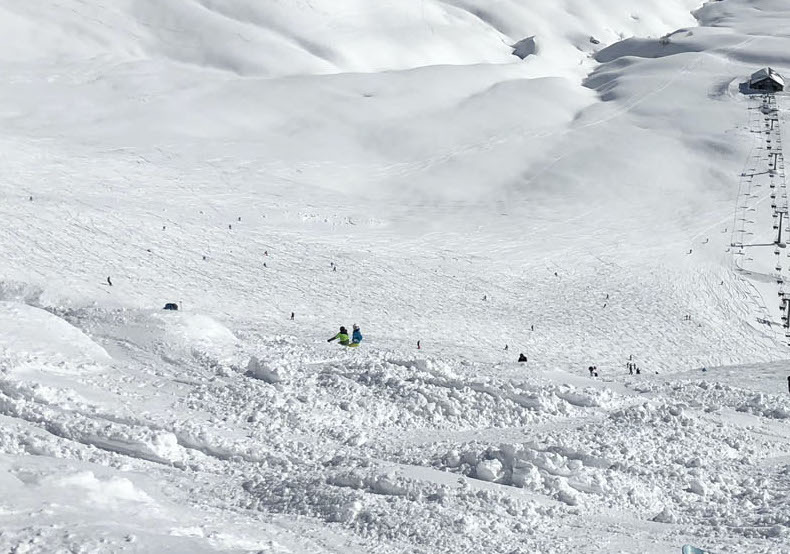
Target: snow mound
[
  {"x": 101, "y": 492},
  {"x": 175, "y": 336},
  {"x": 198, "y": 334},
  {"x": 35, "y": 339},
  {"x": 648, "y": 48},
  {"x": 261, "y": 370}
]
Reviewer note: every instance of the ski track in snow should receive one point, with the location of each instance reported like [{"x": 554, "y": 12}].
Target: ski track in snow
[{"x": 464, "y": 197}]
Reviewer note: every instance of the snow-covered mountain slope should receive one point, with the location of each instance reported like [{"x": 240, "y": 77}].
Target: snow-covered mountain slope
[
  {"x": 393, "y": 164},
  {"x": 319, "y": 36}
]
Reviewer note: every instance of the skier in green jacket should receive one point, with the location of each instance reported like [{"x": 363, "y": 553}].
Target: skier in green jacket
[{"x": 342, "y": 337}]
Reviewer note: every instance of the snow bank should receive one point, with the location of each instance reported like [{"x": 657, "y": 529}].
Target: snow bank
[
  {"x": 174, "y": 335},
  {"x": 100, "y": 492},
  {"x": 33, "y": 338},
  {"x": 198, "y": 334}
]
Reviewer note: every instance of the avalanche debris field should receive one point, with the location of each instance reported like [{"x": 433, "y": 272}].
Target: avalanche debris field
[{"x": 585, "y": 183}]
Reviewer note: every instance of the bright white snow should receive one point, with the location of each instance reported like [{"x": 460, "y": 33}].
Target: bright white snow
[{"x": 392, "y": 164}]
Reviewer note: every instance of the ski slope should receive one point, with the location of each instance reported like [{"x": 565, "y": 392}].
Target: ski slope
[{"x": 392, "y": 164}]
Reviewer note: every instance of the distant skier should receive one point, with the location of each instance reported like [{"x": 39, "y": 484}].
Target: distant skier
[
  {"x": 591, "y": 370},
  {"x": 689, "y": 252},
  {"x": 109, "y": 281},
  {"x": 485, "y": 297},
  {"x": 292, "y": 316},
  {"x": 418, "y": 345},
  {"x": 531, "y": 327},
  {"x": 638, "y": 371},
  {"x": 506, "y": 348},
  {"x": 630, "y": 368},
  {"x": 523, "y": 359},
  {"x": 356, "y": 336},
  {"x": 342, "y": 336}
]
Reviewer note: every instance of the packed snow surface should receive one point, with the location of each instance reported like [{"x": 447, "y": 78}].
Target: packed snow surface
[{"x": 583, "y": 182}]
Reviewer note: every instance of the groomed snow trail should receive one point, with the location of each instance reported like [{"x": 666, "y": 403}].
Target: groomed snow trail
[{"x": 467, "y": 200}]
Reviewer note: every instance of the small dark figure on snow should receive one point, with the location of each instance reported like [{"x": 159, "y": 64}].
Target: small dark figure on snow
[
  {"x": 485, "y": 297},
  {"x": 522, "y": 358},
  {"x": 31, "y": 198},
  {"x": 531, "y": 327},
  {"x": 265, "y": 252},
  {"x": 418, "y": 345},
  {"x": 638, "y": 371},
  {"x": 292, "y": 316},
  {"x": 591, "y": 370},
  {"x": 506, "y": 347},
  {"x": 630, "y": 368},
  {"x": 109, "y": 281},
  {"x": 204, "y": 258},
  {"x": 334, "y": 268},
  {"x": 264, "y": 264},
  {"x": 230, "y": 226}
]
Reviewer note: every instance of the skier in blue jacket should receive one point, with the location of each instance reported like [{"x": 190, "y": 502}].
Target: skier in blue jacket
[{"x": 356, "y": 336}]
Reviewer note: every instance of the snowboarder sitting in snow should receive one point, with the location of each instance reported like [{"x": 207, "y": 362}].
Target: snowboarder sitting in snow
[
  {"x": 522, "y": 358},
  {"x": 342, "y": 336},
  {"x": 356, "y": 336}
]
